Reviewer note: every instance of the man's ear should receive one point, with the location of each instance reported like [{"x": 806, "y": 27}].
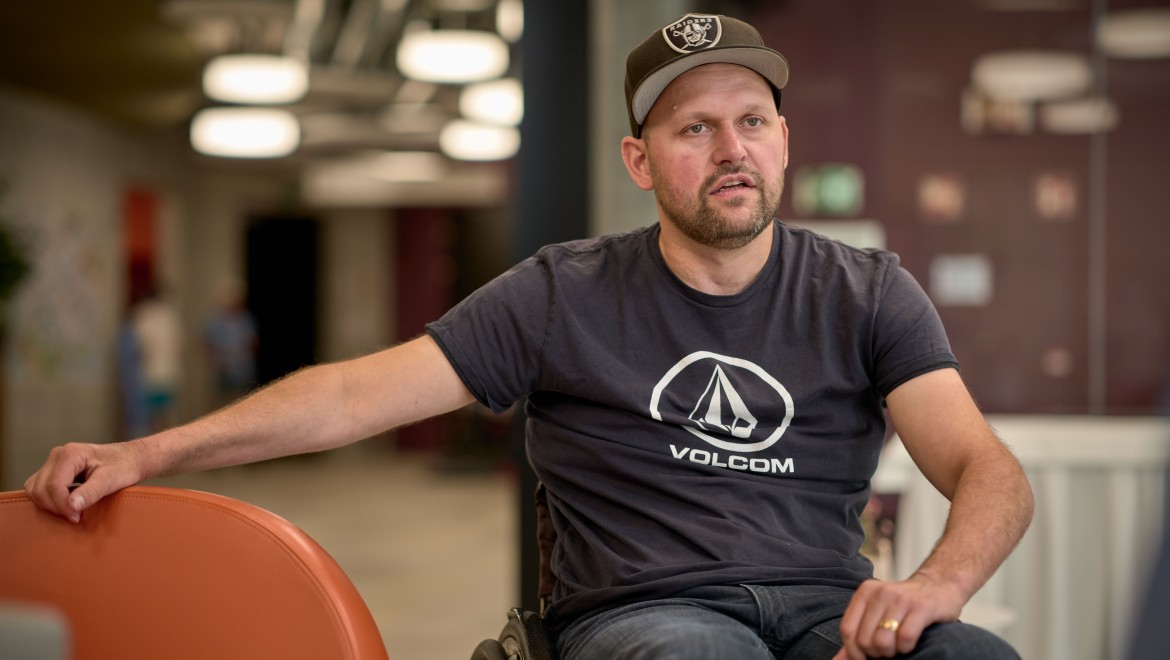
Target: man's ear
[
  {"x": 784, "y": 127},
  {"x": 637, "y": 161}
]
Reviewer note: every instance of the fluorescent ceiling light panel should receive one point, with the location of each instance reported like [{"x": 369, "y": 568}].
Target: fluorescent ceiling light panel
[
  {"x": 466, "y": 140},
  {"x": 495, "y": 102},
  {"x": 383, "y": 167},
  {"x": 255, "y": 79},
  {"x": 407, "y": 166},
  {"x": 245, "y": 132},
  {"x": 510, "y": 20},
  {"x": 1079, "y": 116},
  {"x": 1032, "y": 75},
  {"x": 461, "y": 5},
  {"x": 1136, "y": 33},
  {"x": 452, "y": 56}
]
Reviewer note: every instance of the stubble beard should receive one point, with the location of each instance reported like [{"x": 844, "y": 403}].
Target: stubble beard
[{"x": 704, "y": 224}]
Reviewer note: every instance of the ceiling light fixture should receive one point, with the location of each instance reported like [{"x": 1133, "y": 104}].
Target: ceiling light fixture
[
  {"x": 495, "y": 102},
  {"x": 407, "y": 166},
  {"x": 1031, "y": 75},
  {"x": 467, "y": 140},
  {"x": 1136, "y": 33},
  {"x": 510, "y": 20},
  {"x": 255, "y": 79},
  {"x": 452, "y": 56},
  {"x": 1079, "y": 116},
  {"x": 461, "y": 5},
  {"x": 383, "y": 167},
  {"x": 245, "y": 132}
]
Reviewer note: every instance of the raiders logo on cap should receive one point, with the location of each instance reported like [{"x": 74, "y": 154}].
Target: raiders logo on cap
[
  {"x": 690, "y": 41},
  {"x": 693, "y": 32}
]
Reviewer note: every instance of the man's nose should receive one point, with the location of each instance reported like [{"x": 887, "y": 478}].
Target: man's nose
[{"x": 728, "y": 147}]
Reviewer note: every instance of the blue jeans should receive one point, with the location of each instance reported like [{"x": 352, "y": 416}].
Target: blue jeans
[{"x": 748, "y": 622}]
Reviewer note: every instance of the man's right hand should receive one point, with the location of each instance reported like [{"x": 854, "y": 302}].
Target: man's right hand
[{"x": 101, "y": 469}]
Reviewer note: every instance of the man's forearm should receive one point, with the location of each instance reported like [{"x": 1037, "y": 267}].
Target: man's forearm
[
  {"x": 314, "y": 409},
  {"x": 297, "y": 414},
  {"x": 991, "y": 506},
  {"x": 990, "y": 510}
]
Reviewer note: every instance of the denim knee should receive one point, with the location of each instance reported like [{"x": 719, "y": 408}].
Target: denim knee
[
  {"x": 941, "y": 641},
  {"x": 672, "y": 631},
  {"x": 961, "y": 641}
]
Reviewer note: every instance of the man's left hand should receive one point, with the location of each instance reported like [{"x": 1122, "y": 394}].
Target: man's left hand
[{"x": 887, "y": 618}]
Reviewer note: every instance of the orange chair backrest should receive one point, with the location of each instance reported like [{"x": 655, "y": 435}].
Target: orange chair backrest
[{"x": 169, "y": 573}]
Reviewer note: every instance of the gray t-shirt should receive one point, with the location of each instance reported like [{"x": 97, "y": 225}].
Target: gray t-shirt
[{"x": 688, "y": 439}]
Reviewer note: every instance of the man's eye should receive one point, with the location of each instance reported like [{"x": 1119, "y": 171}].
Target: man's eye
[
  {"x": 753, "y": 121},
  {"x": 696, "y": 129}
]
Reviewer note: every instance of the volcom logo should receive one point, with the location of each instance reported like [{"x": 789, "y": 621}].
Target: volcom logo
[
  {"x": 720, "y": 394},
  {"x": 693, "y": 32},
  {"x": 706, "y": 384}
]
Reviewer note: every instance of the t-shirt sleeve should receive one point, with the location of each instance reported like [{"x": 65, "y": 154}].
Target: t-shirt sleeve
[
  {"x": 494, "y": 337},
  {"x": 909, "y": 339}
]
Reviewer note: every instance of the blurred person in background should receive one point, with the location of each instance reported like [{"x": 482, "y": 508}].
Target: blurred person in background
[
  {"x": 158, "y": 330},
  {"x": 131, "y": 388},
  {"x": 704, "y": 400},
  {"x": 229, "y": 334}
]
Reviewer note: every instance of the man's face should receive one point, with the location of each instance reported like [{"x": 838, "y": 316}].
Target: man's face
[{"x": 716, "y": 150}]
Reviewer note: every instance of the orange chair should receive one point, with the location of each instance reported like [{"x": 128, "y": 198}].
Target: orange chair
[{"x": 170, "y": 573}]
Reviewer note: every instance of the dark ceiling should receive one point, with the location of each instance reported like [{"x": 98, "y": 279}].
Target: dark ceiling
[
  {"x": 140, "y": 62},
  {"x": 120, "y": 59}
]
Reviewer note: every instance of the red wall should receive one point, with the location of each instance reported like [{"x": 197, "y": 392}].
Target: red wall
[{"x": 878, "y": 84}]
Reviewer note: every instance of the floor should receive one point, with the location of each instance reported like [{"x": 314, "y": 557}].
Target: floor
[{"x": 432, "y": 551}]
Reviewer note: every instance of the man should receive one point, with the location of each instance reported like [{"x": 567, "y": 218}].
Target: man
[{"x": 704, "y": 401}]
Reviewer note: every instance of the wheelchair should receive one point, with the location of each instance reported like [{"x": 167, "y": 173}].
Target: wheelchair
[{"x": 525, "y": 636}]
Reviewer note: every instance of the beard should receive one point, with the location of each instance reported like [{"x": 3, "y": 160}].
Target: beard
[{"x": 699, "y": 221}]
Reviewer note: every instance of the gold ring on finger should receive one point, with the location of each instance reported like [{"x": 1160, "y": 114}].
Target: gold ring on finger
[{"x": 889, "y": 624}]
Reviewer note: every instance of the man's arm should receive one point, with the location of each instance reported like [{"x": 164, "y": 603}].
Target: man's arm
[
  {"x": 317, "y": 408},
  {"x": 991, "y": 506}
]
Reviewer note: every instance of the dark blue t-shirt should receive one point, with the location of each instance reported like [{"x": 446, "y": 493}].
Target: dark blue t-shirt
[{"x": 686, "y": 438}]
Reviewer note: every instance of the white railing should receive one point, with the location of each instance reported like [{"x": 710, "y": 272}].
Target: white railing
[{"x": 1070, "y": 589}]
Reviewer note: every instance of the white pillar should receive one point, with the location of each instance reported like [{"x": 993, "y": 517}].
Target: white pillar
[{"x": 616, "y": 26}]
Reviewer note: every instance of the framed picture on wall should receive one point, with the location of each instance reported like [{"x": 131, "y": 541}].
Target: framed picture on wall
[
  {"x": 942, "y": 198},
  {"x": 961, "y": 280},
  {"x": 984, "y": 115},
  {"x": 1054, "y": 196}
]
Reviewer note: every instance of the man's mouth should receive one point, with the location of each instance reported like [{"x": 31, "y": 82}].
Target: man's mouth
[{"x": 732, "y": 184}]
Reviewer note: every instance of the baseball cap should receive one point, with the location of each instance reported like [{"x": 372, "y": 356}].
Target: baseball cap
[{"x": 690, "y": 41}]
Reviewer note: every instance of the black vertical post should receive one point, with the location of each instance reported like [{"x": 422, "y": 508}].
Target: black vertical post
[
  {"x": 281, "y": 265},
  {"x": 552, "y": 187},
  {"x": 553, "y": 161}
]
